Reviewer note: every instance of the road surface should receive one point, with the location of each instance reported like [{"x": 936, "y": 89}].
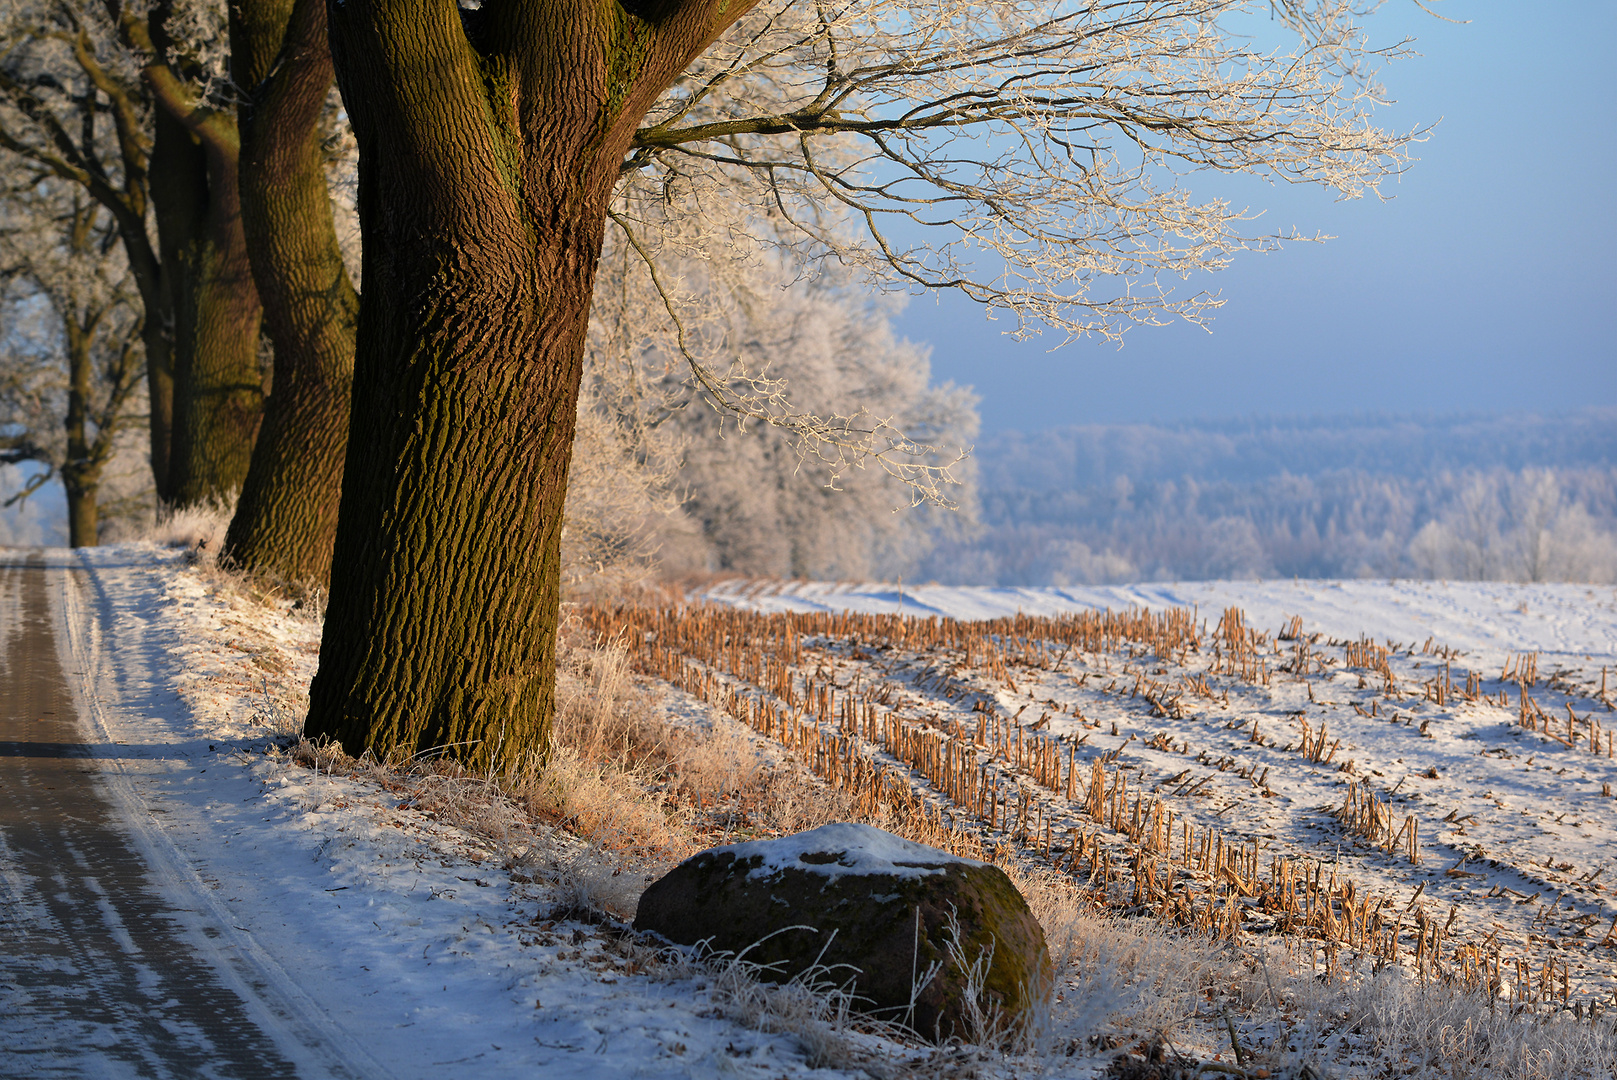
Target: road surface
[{"x": 100, "y": 972}]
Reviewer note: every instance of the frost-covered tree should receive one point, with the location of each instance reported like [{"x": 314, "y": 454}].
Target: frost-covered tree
[
  {"x": 705, "y": 489},
  {"x": 1043, "y": 141},
  {"x": 104, "y": 96},
  {"x": 626, "y": 456},
  {"x": 620, "y": 492},
  {"x": 70, "y": 357},
  {"x": 204, "y": 133},
  {"x": 763, "y": 504},
  {"x": 1514, "y": 527}
]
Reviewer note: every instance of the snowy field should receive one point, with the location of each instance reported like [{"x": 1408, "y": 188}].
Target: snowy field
[
  {"x": 387, "y": 943},
  {"x": 1485, "y": 619},
  {"x": 1515, "y": 827}
]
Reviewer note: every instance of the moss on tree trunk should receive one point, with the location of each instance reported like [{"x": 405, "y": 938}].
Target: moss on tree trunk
[{"x": 286, "y": 518}]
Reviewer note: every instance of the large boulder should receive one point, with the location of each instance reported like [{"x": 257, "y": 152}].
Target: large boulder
[{"x": 876, "y": 912}]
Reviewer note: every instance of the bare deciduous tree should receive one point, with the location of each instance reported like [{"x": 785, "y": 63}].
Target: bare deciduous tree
[
  {"x": 71, "y": 351},
  {"x": 121, "y": 99},
  {"x": 1044, "y": 142}
]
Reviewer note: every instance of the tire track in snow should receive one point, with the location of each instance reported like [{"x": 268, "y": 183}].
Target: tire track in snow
[
  {"x": 95, "y": 977},
  {"x": 113, "y": 958}
]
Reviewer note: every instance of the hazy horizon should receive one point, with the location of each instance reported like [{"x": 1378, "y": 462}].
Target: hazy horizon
[{"x": 1513, "y": 496}]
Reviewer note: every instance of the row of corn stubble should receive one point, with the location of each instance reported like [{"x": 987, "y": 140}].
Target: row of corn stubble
[{"x": 983, "y": 784}]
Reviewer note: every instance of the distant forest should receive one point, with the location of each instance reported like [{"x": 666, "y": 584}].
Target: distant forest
[{"x": 1514, "y": 497}]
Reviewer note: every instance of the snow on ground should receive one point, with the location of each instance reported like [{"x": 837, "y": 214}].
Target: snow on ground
[
  {"x": 413, "y": 950},
  {"x": 860, "y": 849},
  {"x": 402, "y": 938},
  {"x": 1515, "y": 826},
  {"x": 1485, "y": 618}
]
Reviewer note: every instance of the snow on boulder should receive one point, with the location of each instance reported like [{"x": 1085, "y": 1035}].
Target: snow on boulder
[{"x": 874, "y": 911}]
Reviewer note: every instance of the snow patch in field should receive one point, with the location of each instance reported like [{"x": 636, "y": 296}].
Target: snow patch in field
[{"x": 1486, "y": 619}]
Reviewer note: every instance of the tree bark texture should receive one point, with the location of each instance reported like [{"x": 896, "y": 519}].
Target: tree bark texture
[
  {"x": 218, "y": 383},
  {"x": 490, "y": 141},
  {"x": 83, "y": 518},
  {"x": 286, "y": 519}
]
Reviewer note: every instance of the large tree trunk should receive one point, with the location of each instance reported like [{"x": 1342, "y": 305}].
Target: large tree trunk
[
  {"x": 489, "y": 148},
  {"x": 287, "y": 517},
  {"x": 218, "y": 381}
]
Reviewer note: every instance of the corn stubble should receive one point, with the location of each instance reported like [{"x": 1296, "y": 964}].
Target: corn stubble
[
  {"x": 990, "y": 783},
  {"x": 1157, "y": 922}
]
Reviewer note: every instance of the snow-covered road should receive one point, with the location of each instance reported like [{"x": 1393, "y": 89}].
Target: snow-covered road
[
  {"x": 211, "y": 910},
  {"x": 114, "y": 959}
]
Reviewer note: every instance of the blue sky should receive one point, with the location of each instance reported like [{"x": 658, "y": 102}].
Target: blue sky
[{"x": 1485, "y": 284}]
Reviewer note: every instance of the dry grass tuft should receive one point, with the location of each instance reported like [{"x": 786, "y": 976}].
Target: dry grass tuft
[
  {"x": 1460, "y": 1035},
  {"x": 1111, "y": 972},
  {"x": 815, "y": 1007},
  {"x": 201, "y": 531},
  {"x": 199, "y": 528}
]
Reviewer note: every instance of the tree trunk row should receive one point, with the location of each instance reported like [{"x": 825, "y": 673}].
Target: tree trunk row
[
  {"x": 286, "y": 518},
  {"x": 246, "y": 250}
]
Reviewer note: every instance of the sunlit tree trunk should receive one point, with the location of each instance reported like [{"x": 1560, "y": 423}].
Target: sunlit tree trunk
[
  {"x": 490, "y": 142},
  {"x": 287, "y": 516}
]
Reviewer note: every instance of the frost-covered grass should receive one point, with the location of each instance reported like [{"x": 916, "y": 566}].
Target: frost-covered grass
[
  {"x": 642, "y": 776},
  {"x": 199, "y": 529}
]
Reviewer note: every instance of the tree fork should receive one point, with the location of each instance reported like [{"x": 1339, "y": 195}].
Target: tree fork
[{"x": 490, "y": 142}]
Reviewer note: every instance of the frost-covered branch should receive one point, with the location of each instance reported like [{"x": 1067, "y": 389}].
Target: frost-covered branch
[
  {"x": 751, "y": 492},
  {"x": 837, "y": 441},
  {"x": 1029, "y": 155},
  {"x": 71, "y": 361}
]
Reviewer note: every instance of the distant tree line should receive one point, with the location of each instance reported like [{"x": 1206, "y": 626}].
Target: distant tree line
[{"x": 1521, "y": 498}]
